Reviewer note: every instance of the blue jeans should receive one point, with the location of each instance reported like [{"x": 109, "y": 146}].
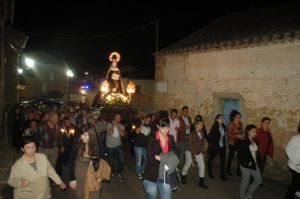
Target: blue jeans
[
  {"x": 116, "y": 159},
  {"x": 139, "y": 153},
  {"x": 151, "y": 190}
]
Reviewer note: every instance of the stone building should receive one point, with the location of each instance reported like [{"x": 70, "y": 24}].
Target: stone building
[{"x": 247, "y": 61}]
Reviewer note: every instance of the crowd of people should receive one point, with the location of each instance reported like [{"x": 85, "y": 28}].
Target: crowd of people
[{"x": 164, "y": 144}]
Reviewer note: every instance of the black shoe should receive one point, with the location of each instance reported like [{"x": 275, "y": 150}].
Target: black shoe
[
  {"x": 202, "y": 184},
  {"x": 224, "y": 178},
  {"x": 183, "y": 179},
  {"x": 211, "y": 175}
]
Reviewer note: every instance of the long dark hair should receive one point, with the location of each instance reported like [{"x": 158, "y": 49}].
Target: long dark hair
[
  {"x": 216, "y": 123},
  {"x": 92, "y": 144}
]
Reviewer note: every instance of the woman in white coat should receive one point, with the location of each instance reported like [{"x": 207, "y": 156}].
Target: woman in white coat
[{"x": 29, "y": 175}]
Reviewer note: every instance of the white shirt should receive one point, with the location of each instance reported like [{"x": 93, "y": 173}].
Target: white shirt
[
  {"x": 253, "y": 149},
  {"x": 292, "y": 150},
  {"x": 173, "y": 124},
  {"x": 187, "y": 123}
]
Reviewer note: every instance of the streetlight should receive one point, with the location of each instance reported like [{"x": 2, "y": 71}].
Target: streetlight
[
  {"x": 69, "y": 74},
  {"x": 20, "y": 71},
  {"x": 86, "y": 73},
  {"x": 29, "y": 62}
]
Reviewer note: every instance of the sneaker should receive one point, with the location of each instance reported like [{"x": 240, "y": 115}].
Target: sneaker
[
  {"x": 297, "y": 194},
  {"x": 120, "y": 177},
  {"x": 139, "y": 176},
  {"x": 175, "y": 188}
]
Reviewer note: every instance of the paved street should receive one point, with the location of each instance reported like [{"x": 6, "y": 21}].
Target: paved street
[{"x": 133, "y": 187}]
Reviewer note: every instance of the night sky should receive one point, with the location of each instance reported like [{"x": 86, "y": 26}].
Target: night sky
[{"x": 52, "y": 26}]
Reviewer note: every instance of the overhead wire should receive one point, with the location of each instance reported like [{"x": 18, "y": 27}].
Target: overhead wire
[{"x": 92, "y": 37}]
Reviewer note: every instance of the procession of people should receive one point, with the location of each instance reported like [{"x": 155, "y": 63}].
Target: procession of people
[{"x": 89, "y": 150}]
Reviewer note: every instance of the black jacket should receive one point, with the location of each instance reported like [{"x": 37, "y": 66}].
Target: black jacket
[
  {"x": 214, "y": 138},
  {"x": 152, "y": 168},
  {"x": 245, "y": 157}
]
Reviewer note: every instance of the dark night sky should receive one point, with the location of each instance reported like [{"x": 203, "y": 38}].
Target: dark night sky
[{"x": 70, "y": 19}]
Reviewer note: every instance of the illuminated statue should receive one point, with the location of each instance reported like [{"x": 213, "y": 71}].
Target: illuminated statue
[{"x": 113, "y": 75}]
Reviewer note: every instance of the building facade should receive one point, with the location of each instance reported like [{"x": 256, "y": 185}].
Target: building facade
[{"x": 247, "y": 61}]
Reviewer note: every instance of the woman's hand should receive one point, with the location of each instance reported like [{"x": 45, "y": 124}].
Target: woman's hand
[
  {"x": 157, "y": 157},
  {"x": 62, "y": 186},
  {"x": 72, "y": 184},
  {"x": 24, "y": 183}
]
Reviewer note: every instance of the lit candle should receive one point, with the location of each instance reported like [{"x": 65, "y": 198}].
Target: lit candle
[
  {"x": 62, "y": 130},
  {"x": 72, "y": 131}
]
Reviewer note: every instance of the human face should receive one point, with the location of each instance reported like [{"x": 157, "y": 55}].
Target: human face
[
  {"x": 199, "y": 126},
  {"x": 85, "y": 137},
  {"x": 164, "y": 130},
  {"x": 185, "y": 112},
  {"x": 265, "y": 124},
  {"x": 67, "y": 123},
  {"x": 54, "y": 119},
  {"x": 118, "y": 118},
  {"x": 237, "y": 118},
  {"x": 220, "y": 120},
  {"x": 252, "y": 133},
  {"x": 147, "y": 120},
  {"x": 173, "y": 115},
  {"x": 29, "y": 149}
]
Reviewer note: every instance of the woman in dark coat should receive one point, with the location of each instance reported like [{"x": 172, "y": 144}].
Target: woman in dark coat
[
  {"x": 217, "y": 145},
  {"x": 159, "y": 142}
]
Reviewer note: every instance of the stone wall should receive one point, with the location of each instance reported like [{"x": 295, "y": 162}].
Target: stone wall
[{"x": 265, "y": 78}]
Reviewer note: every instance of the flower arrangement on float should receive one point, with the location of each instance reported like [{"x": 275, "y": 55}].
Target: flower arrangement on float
[{"x": 116, "y": 99}]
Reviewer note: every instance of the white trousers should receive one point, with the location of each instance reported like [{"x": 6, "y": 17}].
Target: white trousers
[{"x": 189, "y": 160}]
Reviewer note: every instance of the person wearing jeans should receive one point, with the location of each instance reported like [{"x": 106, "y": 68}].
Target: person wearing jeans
[
  {"x": 248, "y": 155},
  {"x": 115, "y": 130},
  {"x": 116, "y": 158},
  {"x": 140, "y": 145},
  {"x": 159, "y": 142},
  {"x": 152, "y": 188}
]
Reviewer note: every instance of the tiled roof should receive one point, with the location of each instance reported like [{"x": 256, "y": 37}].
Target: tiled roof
[{"x": 240, "y": 30}]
